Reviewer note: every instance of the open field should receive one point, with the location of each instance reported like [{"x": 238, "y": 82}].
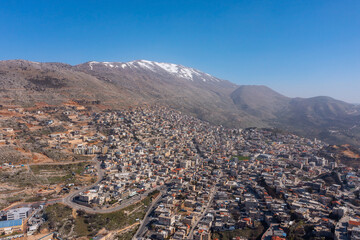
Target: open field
[
  {"x": 61, "y": 218},
  {"x": 248, "y": 233},
  {"x": 55, "y": 174},
  {"x": 38, "y": 182}
]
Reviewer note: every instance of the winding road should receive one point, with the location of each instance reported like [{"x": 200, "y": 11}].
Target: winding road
[
  {"x": 143, "y": 226},
  {"x": 68, "y": 200}
]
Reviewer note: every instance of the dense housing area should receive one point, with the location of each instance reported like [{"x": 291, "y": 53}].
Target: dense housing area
[{"x": 172, "y": 176}]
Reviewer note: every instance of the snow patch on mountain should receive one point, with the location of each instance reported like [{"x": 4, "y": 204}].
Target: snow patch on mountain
[
  {"x": 110, "y": 64},
  {"x": 158, "y": 67},
  {"x": 176, "y": 70},
  {"x": 91, "y": 64},
  {"x": 146, "y": 64}
]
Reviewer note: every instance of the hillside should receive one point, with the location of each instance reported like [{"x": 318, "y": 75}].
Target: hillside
[
  {"x": 179, "y": 87},
  {"x": 116, "y": 85},
  {"x": 26, "y": 83},
  {"x": 259, "y": 101}
]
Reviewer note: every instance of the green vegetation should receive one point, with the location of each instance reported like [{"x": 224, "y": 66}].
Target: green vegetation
[
  {"x": 61, "y": 179},
  {"x": 93, "y": 180},
  {"x": 44, "y": 131},
  {"x": 300, "y": 230},
  {"x": 16, "y": 198},
  {"x": 127, "y": 235},
  {"x": 330, "y": 178},
  {"x": 81, "y": 227},
  {"x": 82, "y": 157},
  {"x": 270, "y": 190},
  {"x": 248, "y": 233},
  {"x": 20, "y": 178},
  {"x": 57, "y": 155},
  {"x": 23, "y": 197},
  {"x": 56, "y": 215},
  {"x": 304, "y": 178},
  {"x": 151, "y": 195},
  {"x": 113, "y": 201},
  {"x": 9, "y": 154},
  {"x": 59, "y": 216},
  {"x": 40, "y": 174},
  {"x": 39, "y": 198},
  {"x": 75, "y": 167},
  {"x": 54, "y": 174}
]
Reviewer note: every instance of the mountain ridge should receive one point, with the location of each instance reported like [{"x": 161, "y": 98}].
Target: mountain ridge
[
  {"x": 176, "y": 69},
  {"x": 117, "y": 84}
]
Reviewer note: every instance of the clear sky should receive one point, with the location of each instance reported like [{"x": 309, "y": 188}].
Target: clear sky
[{"x": 299, "y": 48}]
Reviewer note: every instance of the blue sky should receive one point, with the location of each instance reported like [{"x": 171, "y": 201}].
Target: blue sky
[{"x": 299, "y": 48}]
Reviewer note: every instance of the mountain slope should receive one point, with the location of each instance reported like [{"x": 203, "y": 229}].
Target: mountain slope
[
  {"x": 259, "y": 101},
  {"x": 179, "y": 87},
  {"x": 25, "y": 83},
  {"x": 319, "y": 117},
  {"x": 323, "y": 117},
  {"x": 116, "y": 85},
  {"x": 164, "y": 69}
]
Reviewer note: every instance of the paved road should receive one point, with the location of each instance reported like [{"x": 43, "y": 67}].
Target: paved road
[
  {"x": 349, "y": 205},
  {"x": 143, "y": 227},
  {"x": 341, "y": 228},
  {"x": 51, "y": 201},
  {"x": 191, "y": 234},
  {"x": 270, "y": 231},
  {"x": 68, "y": 200},
  {"x": 125, "y": 203}
]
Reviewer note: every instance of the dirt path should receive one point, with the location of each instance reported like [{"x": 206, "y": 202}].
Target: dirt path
[
  {"x": 113, "y": 234},
  {"x": 134, "y": 210},
  {"x": 61, "y": 163},
  {"x": 74, "y": 213}
]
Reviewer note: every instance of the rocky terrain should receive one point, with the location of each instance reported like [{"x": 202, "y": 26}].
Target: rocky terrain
[
  {"x": 345, "y": 154},
  {"x": 117, "y": 85}
]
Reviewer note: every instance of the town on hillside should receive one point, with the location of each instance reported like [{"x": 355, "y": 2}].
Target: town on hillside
[{"x": 151, "y": 172}]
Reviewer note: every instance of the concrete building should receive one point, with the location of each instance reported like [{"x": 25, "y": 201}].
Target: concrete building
[{"x": 18, "y": 213}]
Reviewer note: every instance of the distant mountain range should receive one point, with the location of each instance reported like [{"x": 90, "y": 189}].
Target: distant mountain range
[{"x": 116, "y": 85}]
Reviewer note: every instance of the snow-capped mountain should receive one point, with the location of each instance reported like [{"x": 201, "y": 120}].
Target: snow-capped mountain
[
  {"x": 175, "y": 70},
  {"x": 102, "y": 85}
]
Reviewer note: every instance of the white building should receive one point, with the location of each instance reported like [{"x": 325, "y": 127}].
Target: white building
[{"x": 18, "y": 213}]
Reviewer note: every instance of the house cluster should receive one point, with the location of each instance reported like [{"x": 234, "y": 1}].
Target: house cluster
[
  {"x": 20, "y": 220},
  {"x": 65, "y": 128},
  {"x": 217, "y": 179},
  {"x": 264, "y": 177}
]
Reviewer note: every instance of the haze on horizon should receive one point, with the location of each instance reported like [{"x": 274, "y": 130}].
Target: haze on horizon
[{"x": 299, "y": 48}]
